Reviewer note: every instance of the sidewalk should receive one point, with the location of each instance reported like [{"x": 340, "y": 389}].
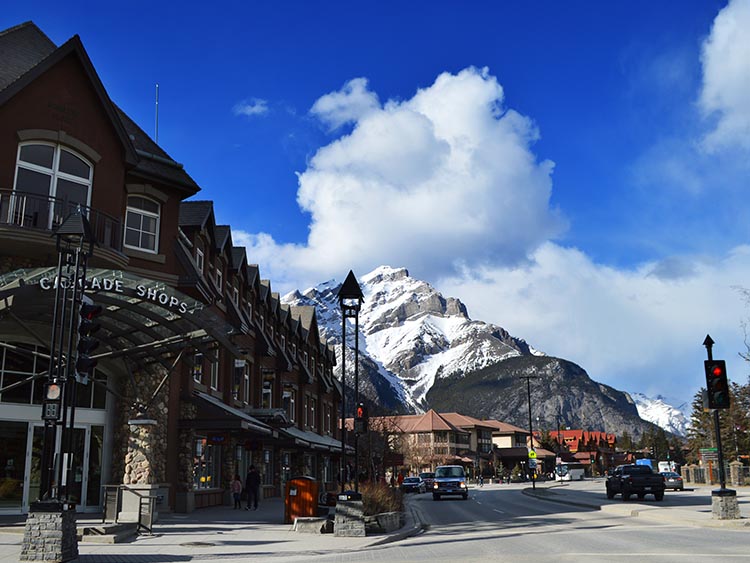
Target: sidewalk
[
  {"x": 689, "y": 507},
  {"x": 214, "y": 534}
]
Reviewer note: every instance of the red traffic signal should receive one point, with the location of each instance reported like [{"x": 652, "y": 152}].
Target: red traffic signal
[
  {"x": 717, "y": 384},
  {"x": 86, "y": 342}
]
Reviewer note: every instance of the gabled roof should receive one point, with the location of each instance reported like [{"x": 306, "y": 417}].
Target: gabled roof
[
  {"x": 464, "y": 421},
  {"x": 503, "y": 427},
  {"x": 239, "y": 257},
  {"x": 252, "y": 272},
  {"x": 223, "y": 236},
  {"x": 26, "y": 53},
  {"x": 196, "y": 214},
  {"x": 28, "y": 46},
  {"x": 265, "y": 289}
]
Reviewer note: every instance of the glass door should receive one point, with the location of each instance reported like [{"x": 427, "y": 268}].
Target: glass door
[{"x": 87, "y": 457}]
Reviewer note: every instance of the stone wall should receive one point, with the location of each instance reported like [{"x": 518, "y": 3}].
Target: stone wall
[
  {"x": 188, "y": 411},
  {"x": 50, "y": 536}
]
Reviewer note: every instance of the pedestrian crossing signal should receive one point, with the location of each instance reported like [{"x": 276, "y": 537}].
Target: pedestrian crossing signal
[{"x": 360, "y": 419}]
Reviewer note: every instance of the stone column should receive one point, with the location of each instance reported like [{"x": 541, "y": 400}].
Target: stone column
[
  {"x": 350, "y": 520},
  {"x": 724, "y": 505},
  {"x": 735, "y": 474},
  {"x": 50, "y": 534}
]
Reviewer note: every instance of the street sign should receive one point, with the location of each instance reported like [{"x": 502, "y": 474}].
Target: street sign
[
  {"x": 532, "y": 463},
  {"x": 532, "y": 454}
]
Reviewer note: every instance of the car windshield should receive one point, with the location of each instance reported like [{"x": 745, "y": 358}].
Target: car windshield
[
  {"x": 426, "y": 475},
  {"x": 670, "y": 475},
  {"x": 637, "y": 469},
  {"x": 449, "y": 472},
  {"x": 411, "y": 480}
]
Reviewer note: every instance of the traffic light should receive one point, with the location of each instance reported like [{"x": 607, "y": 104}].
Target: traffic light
[
  {"x": 717, "y": 384},
  {"x": 360, "y": 419},
  {"x": 85, "y": 364}
]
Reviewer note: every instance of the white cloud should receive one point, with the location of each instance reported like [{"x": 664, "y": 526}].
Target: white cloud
[
  {"x": 251, "y": 107},
  {"x": 638, "y": 329},
  {"x": 726, "y": 77},
  {"x": 445, "y": 178},
  {"x": 347, "y": 105}
]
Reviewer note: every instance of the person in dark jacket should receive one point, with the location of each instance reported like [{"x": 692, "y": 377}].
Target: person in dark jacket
[{"x": 252, "y": 486}]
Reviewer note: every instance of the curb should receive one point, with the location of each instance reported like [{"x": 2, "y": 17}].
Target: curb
[
  {"x": 412, "y": 527},
  {"x": 549, "y": 496}
]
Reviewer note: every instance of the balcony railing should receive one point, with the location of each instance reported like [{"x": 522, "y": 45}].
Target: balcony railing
[{"x": 45, "y": 213}]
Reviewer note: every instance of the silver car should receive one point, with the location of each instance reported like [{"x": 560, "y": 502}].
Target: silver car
[{"x": 673, "y": 480}]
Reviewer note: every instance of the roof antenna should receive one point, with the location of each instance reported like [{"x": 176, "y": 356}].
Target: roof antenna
[{"x": 156, "y": 134}]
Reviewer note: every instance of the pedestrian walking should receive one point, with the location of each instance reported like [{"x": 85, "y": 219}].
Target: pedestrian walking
[
  {"x": 237, "y": 491},
  {"x": 252, "y": 486}
]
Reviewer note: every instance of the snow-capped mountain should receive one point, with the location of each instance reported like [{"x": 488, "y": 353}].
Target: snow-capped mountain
[
  {"x": 657, "y": 410},
  {"x": 419, "y": 350},
  {"x": 411, "y": 332}
]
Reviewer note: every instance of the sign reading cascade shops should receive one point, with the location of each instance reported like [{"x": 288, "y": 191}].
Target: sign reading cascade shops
[{"x": 109, "y": 281}]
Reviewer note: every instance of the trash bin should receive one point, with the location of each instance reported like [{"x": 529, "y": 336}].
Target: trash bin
[{"x": 301, "y": 498}]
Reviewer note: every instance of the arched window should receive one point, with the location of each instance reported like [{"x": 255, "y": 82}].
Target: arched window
[
  {"x": 142, "y": 224},
  {"x": 51, "y": 182}
]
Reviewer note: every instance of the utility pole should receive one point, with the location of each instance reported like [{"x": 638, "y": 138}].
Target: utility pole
[{"x": 532, "y": 452}]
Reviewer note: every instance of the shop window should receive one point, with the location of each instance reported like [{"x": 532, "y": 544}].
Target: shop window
[
  {"x": 12, "y": 463},
  {"x": 51, "y": 182},
  {"x": 142, "y": 224},
  {"x": 206, "y": 465},
  {"x": 18, "y": 364},
  {"x": 327, "y": 476},
  {"x": 267, "y": 477}
]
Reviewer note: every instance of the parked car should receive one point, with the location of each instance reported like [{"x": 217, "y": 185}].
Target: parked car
[
  {"x": 673, "y": 480},
  {"x": 413, "y": 485},
  {"x": 449, "y": 480},
  {"x": 429, "y": 479},
  {"x": 637, "y": 480}
]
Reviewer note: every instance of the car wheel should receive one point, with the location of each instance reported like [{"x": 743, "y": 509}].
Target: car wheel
[
  {"x": 625, "y": 496},
  {"x": 641, "y": 496},
  {"x": 659, "y": 496},
  {"x": 610, "y": 494},
  {"x": 435, "y": 496}
]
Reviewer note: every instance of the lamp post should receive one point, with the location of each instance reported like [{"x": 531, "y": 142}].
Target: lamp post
[
  {"x": 74, "y": 245},
  {"x": 531, "y": 433},
  {"x": 350, "y": 301}
]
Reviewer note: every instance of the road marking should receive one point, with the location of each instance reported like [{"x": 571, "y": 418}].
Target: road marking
[{"x": 498, "y": 511}]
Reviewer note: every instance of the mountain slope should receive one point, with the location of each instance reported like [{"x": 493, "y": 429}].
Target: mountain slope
[
  {"x": 420, "y": 350},
  {"x": 661, "y": 413}
]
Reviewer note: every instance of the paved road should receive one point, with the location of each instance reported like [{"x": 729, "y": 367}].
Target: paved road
[
  {"x": 500, "y": 523},
  {"x": 497, "y": 523}
]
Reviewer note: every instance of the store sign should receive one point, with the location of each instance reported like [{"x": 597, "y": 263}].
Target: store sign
[{"x": 123, "y": 287}]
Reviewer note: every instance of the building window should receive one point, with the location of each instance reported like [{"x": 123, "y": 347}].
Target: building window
[
  {"x": 198, "y": 367},
  {"x": 313, "y": 410},
  {"x": 199, "y": 259},
  {"x": 51, "y": 182},
  {"x": 219, "y": 278},
  {"x": 304, "y": 358},
  {"x": 142, "y": 224},
  {"x": 327, "y": 420},
  {"x": 236, "y": 295},
  {"x": 290, "y": 403},
  {"x": 267, "y": 403},
  {"x": 215, "y": 374},
  {"x": 306, "y": 408},
  {"x": 246, "y": 396},
  {"x": 283, "y": 342}
]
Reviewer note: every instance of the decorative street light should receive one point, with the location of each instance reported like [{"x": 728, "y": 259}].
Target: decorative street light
[
  {"x": 74, "y": 245},
  {"x": 350, "y": 300}
]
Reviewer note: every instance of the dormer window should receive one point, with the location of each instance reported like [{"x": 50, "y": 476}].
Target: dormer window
[
  {"x": 199, "y": 259},
  {"x": 236, "y": 295},
  {"x": 219, "y": 278},
  {"x": 51, "y": 182},
  {"x": 142, "y": 224}
]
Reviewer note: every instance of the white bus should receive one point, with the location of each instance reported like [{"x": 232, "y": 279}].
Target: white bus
[{"x": 569, "y": 472}]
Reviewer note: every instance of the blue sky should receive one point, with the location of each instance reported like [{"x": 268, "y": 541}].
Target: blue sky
[{"x": 573, "y": 171}]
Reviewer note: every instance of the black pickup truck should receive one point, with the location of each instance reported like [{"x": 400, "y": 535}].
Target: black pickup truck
[{"x": 635, "y": 480}]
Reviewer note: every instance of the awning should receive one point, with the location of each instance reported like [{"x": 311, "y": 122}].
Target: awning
[
  {"x": 217, "y": 415},
  {"x": 144, "y": 320},
  {"x": 314, "y": 441}
]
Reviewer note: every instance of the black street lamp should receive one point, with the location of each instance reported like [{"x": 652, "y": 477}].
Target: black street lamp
[
  {"x": 74, "y": 245},
  {"x": 532, "y": 452},
  {"x": 350, "y": 300}
]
